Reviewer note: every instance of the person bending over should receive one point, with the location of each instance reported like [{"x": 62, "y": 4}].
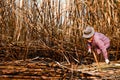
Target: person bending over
[{"x": 98, "y": 41}]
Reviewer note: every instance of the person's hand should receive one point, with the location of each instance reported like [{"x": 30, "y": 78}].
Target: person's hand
[{"x": 89, "y": 50}]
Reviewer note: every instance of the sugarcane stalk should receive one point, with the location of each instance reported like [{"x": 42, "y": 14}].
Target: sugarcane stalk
[
  {"x": 95, "y": 57},
  {"x": 18, "y": 77}
]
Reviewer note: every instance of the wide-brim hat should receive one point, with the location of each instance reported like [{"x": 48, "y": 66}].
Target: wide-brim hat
[{"x": 88, "y": 32}]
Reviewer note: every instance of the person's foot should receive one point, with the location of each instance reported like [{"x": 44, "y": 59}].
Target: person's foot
[{"x": 107, "y": 61}]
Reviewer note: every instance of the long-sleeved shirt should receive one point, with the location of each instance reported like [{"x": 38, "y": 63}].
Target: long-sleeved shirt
[{"x": 100, "y": 43}]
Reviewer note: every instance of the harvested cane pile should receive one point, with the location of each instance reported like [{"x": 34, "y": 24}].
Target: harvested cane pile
[
  {"x": 48, "y": 69},
  {"x": 41, "y": 69}
]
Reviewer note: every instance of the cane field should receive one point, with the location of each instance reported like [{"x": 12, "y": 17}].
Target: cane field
[{"x": 42, "y": 39}]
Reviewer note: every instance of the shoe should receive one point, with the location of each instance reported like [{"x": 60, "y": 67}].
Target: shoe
[{"x": 107, "y": 61}]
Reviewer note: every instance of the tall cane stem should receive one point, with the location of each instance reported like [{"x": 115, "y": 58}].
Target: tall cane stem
[{"x": 96, "y": 61}]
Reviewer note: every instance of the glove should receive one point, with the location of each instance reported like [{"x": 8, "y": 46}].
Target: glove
[{"x": 89, "y": 50}]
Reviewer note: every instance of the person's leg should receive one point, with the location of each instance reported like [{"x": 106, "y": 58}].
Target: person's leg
[{"x": 106, "y": 57}]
